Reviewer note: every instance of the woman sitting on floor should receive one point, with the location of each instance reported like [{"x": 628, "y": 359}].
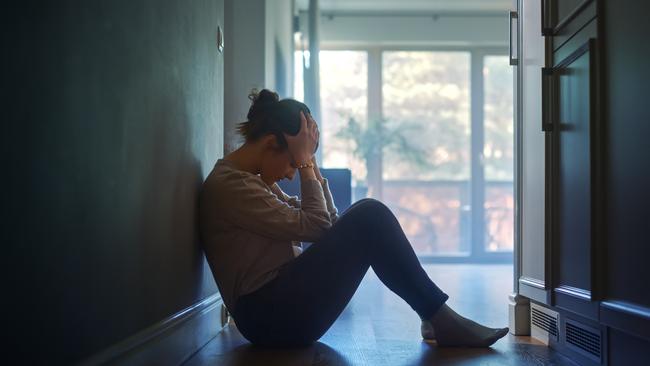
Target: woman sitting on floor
[{"x": 248, "y": 227}]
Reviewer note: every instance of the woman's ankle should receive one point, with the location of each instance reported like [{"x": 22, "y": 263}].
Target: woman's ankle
[{"x": 443, "y": 314}]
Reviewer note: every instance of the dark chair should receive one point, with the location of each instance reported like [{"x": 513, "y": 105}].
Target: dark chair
[{"x": 339, "y": 181}]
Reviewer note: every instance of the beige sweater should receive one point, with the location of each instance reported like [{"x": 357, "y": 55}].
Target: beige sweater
[{"x": 248, "y": 228}]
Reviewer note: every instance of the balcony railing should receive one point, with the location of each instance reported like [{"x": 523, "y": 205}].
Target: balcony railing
[{"x": 436, "y": 217}]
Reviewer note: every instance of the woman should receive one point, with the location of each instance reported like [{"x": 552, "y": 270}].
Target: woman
[{"x": 249, "y": 227}]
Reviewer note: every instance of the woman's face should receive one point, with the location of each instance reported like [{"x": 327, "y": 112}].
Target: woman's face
[{"x": 277, "y": 165}]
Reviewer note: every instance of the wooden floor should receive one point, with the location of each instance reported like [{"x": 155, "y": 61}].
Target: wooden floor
[{"x": 379, "y": 328}]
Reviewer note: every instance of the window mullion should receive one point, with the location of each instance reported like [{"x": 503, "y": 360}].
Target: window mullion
[
  {"x": 477, "y": 182},
  {"x": 375, "y": 109}
]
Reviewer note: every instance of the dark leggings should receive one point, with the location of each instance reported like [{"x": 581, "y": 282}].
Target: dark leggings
[{"x": 310, "y": 292}]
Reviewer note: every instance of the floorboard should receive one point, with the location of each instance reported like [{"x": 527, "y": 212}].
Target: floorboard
[{"x": 378, "y": 328}]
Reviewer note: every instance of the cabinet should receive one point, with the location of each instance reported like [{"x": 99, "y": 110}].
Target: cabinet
[
  {"x": 625, "y": 299},
  {"x": 572, "y": 122},
  {"x": 570, "y": 93},
  {"x": 556, "y": 154},
  {"x": 592, "y": 268}
]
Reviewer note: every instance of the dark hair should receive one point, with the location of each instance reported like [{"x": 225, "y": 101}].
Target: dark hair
[{"x": 270, "y": 115}]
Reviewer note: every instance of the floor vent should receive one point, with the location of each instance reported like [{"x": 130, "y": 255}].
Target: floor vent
[
  {"x": 583, "y": 339},
  {"x": 543, "y": 323}
]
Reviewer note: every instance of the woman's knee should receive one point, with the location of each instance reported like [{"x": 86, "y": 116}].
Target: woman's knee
[
  {"x": 363, "y": 216},
  {"x": 371, "y": 209},
  {"x": 369, "y": 204}
]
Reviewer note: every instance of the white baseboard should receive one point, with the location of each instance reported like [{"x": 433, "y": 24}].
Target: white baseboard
[
  {"x": 519, "y": 315},
  {"x": 168, "y": 342}
]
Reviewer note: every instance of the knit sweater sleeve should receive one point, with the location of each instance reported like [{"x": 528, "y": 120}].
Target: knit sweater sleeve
[
  {"x": 295, "y": 201},
  {"x": 329, "y": 200},
  {"x": 252, "y": 205}
]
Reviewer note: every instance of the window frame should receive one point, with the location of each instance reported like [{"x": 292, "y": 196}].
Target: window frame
[{"x": 478, "y": 252}]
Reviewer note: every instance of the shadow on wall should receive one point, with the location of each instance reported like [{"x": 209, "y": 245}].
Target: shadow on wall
[
  {"x": 168, "y": 214},
  {"x": 135, "y": 238},
  {"x": 115, "y": 113}
]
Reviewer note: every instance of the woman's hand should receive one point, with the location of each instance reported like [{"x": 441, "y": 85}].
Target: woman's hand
[{"x": 303, "y": 145}]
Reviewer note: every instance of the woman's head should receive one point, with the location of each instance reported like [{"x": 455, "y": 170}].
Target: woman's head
[
  {"x": 268, "y": 115},
  {"x": 269, "y": 118}
]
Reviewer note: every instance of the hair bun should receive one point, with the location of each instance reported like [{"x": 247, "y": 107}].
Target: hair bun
[
  {"x": 263, "y": 96},
  {"x": 261, "y": 99}
]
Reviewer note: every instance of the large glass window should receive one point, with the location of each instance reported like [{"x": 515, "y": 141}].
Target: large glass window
[
  {"x": 426, "y": 99},
  {"x": 344, "y": 85},
  {"x": 425, "y": 150},
  {"x": 344, "y": 96}
]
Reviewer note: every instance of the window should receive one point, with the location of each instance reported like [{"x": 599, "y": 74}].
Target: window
[
  {"x": 344, "y": 85},
  {"x": 498, "y": 154},
  {"x": 443, "y": 152},
  {"x": 426, "y": 96}
]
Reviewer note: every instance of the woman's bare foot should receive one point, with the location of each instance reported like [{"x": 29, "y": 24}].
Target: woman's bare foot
[{"x": 449, "y": 329}]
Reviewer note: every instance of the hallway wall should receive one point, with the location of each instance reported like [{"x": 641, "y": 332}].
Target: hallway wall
[
  {"x": 258, "y": 54},
  {"x": 113, "y": 118},
  {"x": 624, "y": 289}
]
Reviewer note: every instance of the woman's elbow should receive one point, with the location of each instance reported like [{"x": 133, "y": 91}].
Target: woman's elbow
[
  {"x": 318, "y": 227},
  {"x": 323, "y": 224}
]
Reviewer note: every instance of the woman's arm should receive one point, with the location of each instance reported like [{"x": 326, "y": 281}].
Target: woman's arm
[
  {"x": 302, "y": 148},
  {"x": 329, "y": 200},
  {"x": 316, "y": 170},
  {"x": 246, "y": 202},
  {"x": 295, "y": 201}
]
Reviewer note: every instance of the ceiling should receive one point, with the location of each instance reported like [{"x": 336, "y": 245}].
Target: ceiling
[{"x": 410, "y": 6}]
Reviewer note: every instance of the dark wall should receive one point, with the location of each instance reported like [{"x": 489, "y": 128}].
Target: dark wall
[
  {"x": 627, "y": 211},
  {"x": 628, "y": 154},
  {"x": 112, "y": 117}
]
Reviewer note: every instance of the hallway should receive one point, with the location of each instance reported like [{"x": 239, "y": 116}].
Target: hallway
[
  {"x": 378, "y": 328},
  {"x": 508, "y": 137}
]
